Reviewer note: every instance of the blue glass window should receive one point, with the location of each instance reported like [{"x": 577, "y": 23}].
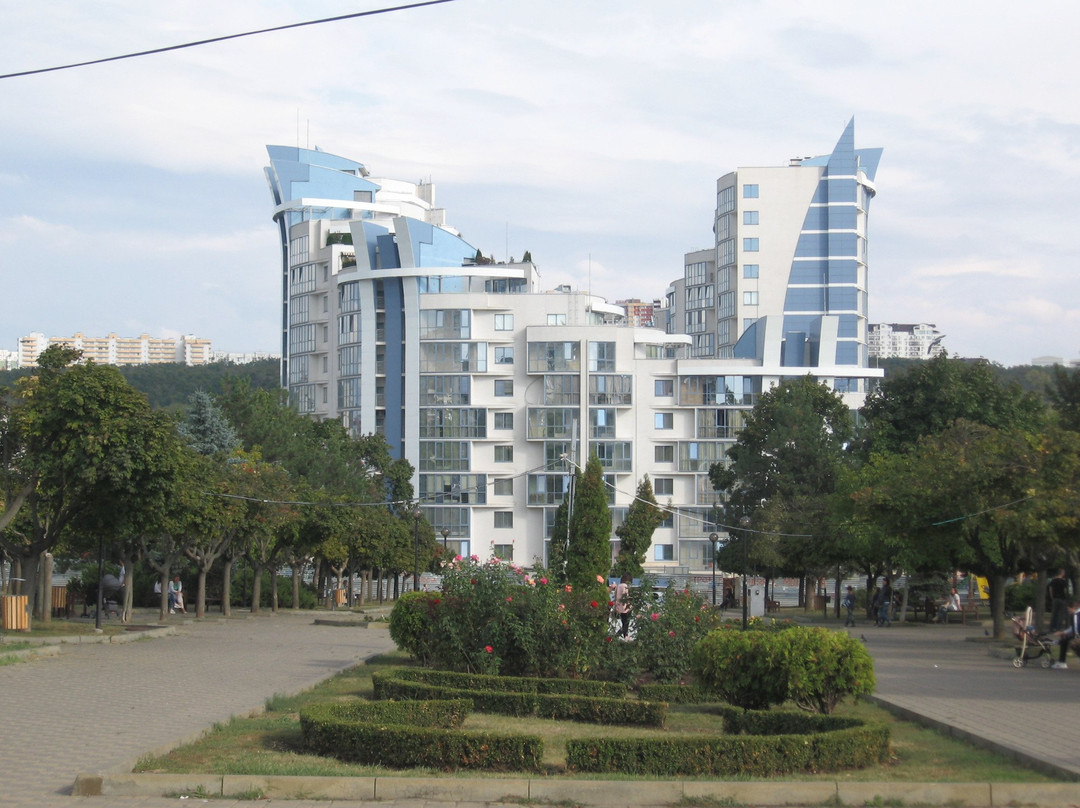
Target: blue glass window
[
  {"x": 750, "y": 217},
  {"x": 805, "y": 299},
  {"x": 843, "y": 298},
  {"x": 750, "y": 245},
  {"x": 750, "y": 270},
  {"x": 750, "y": 191}
]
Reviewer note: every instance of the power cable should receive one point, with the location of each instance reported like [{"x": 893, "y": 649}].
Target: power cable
[{"x": 225, "y": 38}]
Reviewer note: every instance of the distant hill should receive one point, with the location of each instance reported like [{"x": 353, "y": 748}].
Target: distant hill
[{"x": 168, "y": 386}]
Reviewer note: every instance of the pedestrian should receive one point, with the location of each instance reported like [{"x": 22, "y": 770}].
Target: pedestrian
[
  {"x": 1058, "y": 590},
  {"x": 176, "y": 596},
  {"x": 1069, "y": 637},
  {"x": 621, "y": 601},
  {"x": 886, "y": 594},
  {"x": 849, "y": 603}
]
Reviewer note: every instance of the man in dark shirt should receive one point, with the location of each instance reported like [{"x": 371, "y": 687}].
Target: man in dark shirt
[{"x": 1058, "y": 589}]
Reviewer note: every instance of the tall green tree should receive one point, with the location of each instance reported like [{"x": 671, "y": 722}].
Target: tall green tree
[
  {"x": 635, "y": 534},
  {"x": 80, "y": 451},
  {"x": 589, "y": 548},
  {"x": 780, "y": 473},
  {"x": 930, "y": 396},
  {"x": 1064, "y": 395}
]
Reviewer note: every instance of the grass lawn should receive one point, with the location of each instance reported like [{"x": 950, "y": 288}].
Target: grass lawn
[
  {"x": 270, "y": 744},
  {"x": 59, "y": 628}
]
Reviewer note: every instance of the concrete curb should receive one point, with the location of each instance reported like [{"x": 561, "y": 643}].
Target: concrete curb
[{"x": 579, "y": 792}]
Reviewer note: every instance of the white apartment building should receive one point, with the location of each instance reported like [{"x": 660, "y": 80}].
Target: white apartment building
[
  {"x": 114, "y": 350},
  {"x": 490, "y": 387},
  {"x": 905, "y": 341}
]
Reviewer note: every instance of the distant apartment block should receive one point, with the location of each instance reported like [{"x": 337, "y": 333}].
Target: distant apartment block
[
  {"x": 638, "y": 312},
  {"x": 9, "y": 360},
  {"x": 114, "y": 350},
  {"x": 905, "y": 341},
  {"x": 243, "y": 358}
]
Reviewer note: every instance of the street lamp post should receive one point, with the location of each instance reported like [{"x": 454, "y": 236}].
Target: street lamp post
[
  {"x": 744, "y": 523},
  {"x": 416, "y": 549},
  {"x": 713, "y": 541},
  {"x": 445, "y": 533}
]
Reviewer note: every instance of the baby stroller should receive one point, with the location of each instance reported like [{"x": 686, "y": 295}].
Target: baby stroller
[{"x": 1032, "y": 644}]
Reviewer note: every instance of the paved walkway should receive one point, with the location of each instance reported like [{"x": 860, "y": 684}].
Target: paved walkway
[{"x": 100, "y": 707}]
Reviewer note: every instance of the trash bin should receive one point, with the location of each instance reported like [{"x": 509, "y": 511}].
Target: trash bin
[
  {"x": 15, "y": 612},
  {"x": 339, "y": 597}
]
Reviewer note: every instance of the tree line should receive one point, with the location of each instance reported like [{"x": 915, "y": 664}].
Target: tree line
[
  {"x": 948, "y": 467},
  {"x": 86, "y": 463}
]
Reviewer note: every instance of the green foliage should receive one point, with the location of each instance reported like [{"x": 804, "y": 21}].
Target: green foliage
[
  {"x": 407, "y": 736},
  {"x": 930, "y": 396},
  {"x": 765, "y": 755},
  {"x": 205, "y": 429},
  {"x": 635, "y": 534},
  {"x": 589, "y": 551},
  {"x": 813, "y": 667},
  {"x": 1019, "y": 596},
  {"x": 521, "y": 697},
  {"x": 667, "y": 630}
]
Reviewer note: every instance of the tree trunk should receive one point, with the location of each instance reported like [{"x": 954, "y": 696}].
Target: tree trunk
[
  {"x": 226, "y": 585},
  {"x": 45, "y": 587},
  {"x": 997, "y": 604},
  {"x": 28, "y": 585},
  {"x": 256, "y": 586},
  {"x": 273, "y": 589},
  {"x": 164, "y": 595},
  {"x": 296, "y": 573},
  {"x": 127, "y": 567},
  {"x": 200, "y": 598}
]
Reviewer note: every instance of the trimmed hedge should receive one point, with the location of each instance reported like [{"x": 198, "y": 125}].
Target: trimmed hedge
[
  {"x": 515, "y": 684},
  {"x": 825, "y": 748},
  {"x": 595, "y": 709},
  {"x": 411, "y": 734},
  {"x": 677, "y": 694}
]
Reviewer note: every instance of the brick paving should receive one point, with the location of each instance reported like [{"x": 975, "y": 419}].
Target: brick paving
[{"x": 97, "y": 708}]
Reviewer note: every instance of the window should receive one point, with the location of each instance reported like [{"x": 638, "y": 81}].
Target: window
[
  {"x": 444, "y": 323},
  {"x": 504, "y": 454},
  {"x": 504, "y": 519},
  {"x": 664, "y": 453},
  {"x": 503, "y": 552},
  {"x": 750, "y": 298},
  {"x": 504, "y": 355},
  {"x": 696, "y": 273},
  {"x": 505, "y": 387},
  {"x": 504, "y": 322},
  {"x": 601, "y": 357},
  {"x": 601, "y": 422},
  {"x": 750, "y": 245},
  {"x": 664, "y": 388},
  {"x": 725, "y": 199},
  {"x": 750, "y": 191},
  {"x": 504, "y": 420},
  {"x": 556, "y": 319},
  {"x": 664, "y": 486},
  {"x": 663, "y": 420},
  {"x": 750, "y": 270},
  {"x": 664, "y": 552},
  {"x": 504, "y": 488},
  {"x": 750, "y": 217}
]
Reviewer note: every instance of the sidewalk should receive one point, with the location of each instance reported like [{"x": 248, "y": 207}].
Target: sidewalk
[{"x": 97, "y": 708}]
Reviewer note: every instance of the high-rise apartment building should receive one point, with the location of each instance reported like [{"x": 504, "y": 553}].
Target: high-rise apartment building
[
  {"x": 786, "y": 281},
  {"x": 905, "y": 341},
  {"x": 114, "y": 350},
  {"x": 490, "y": 387}
]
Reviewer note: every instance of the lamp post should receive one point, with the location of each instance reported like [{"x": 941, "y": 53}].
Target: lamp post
[
  {"x": 744, "y": 523},
  {"x": 445, "y": 532},
  {"x": 416, "y": 548},
  {"x": 713, "y": 541}
]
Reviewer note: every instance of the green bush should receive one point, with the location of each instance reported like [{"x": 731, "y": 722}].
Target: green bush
[
  {"x": 527, "y": 700},
  {"x": 517, "y": 684},
  {"x": 1019, "y": 596},
  {"x": 667, "y": 630},
  {"x": 409, "y": 624},
  {"x": 726, "y": 756},
  {"x": 676, "y": 694},
  {"x": 412, "y": 734},
  {"x": 744, "y": 668},
  {"x": 813, "y": 667}
]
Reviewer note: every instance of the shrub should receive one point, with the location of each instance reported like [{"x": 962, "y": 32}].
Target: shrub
[
  {"x": 409, "y": 734},
  {"x": 813, "y": 667},
  {"x": 667, "y": 630},
  {"x": 743, "y": 667}
]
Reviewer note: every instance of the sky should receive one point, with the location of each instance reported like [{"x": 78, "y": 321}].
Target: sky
[{"x": 590, "y": 133}]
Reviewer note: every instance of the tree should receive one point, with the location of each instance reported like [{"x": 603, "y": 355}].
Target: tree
[
  {"x": 998, "y": 498},
  {"x": 1064, "y": 395},
  {"x": 559, "y": 548},
  {"x": 783, "y": 468},
  {"x": 206, "y": 429},
  {"x": 589, "y": 548},
  {"x": 635, "y": 534},
  {"x": 931, "y": 395},
  {"x": 80, "y": 449}
]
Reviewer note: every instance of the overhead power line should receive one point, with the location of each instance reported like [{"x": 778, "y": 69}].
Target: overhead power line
[{"x": 225, "y": 38}]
